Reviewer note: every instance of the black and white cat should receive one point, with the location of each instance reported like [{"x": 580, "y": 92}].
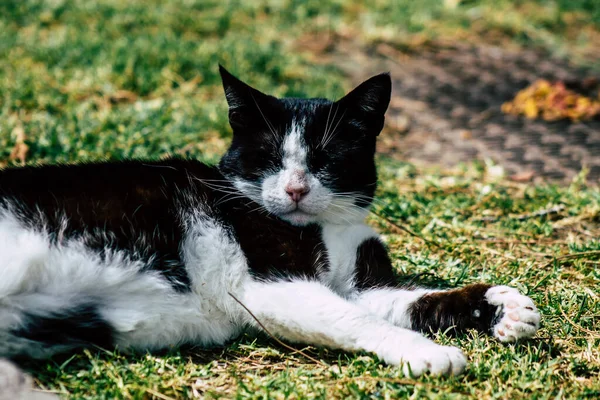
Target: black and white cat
[{"x": 148, "y": 255}]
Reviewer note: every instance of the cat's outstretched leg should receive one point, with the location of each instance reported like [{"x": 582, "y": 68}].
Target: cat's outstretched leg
[
  {"x": 497, "y": 310},
  {"x": 500, "y": 311},
  {"x": 309, "y": 312}
]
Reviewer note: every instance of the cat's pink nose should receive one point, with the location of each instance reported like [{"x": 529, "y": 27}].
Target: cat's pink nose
[{"x": 297, "y": 192}]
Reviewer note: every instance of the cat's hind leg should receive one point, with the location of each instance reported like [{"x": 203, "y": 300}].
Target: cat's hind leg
[
  {"x": 500, "y": 311},
  {"x": 309, "y": 312}
]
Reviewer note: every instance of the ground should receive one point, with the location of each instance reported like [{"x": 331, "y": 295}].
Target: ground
[{"x": 88, "y": 80}]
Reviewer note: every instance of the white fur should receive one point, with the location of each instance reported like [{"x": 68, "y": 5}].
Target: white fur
[
  {"x": 520, "y": 318},
  {"x": 309, "y": 312},
  {"x": 274, "y": 196},
  {"x": 341, "y": 242},
  {"x": 146, "y": 312},
  {"x": 216, "y": 265},
  {"x": 391, "y": 304},
  {"x": 43, "y": 278}
]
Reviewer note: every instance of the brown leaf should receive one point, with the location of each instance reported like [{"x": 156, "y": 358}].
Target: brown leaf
[
  {"x": 466, "y": 134},
  {"x": 20, "y": 150},
  {"x": 399, "y": 123},
  {"x": 524, "y": 176},
  {"x": 552, "y": 101},
  {"x": 122, "y": 96}
]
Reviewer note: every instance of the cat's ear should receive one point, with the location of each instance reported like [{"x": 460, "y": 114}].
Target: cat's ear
[
  {"x": 371, "y": 96},
  {"x": 245, "y": 102},
  {"x": 369, "y": 101}
]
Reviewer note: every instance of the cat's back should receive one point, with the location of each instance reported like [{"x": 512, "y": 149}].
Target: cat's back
[
  {"x": 91, "y": 194},
  {"x": 101, "y": 179}
]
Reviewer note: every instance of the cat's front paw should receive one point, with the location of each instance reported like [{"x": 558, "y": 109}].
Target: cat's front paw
[
  {"x": 428, "y": 357},
  {"x": 517, "y": 317},
  {"x": 435, "y": 359}
]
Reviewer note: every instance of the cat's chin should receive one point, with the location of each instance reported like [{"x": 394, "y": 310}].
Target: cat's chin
[{"x": 299, "y": 218}]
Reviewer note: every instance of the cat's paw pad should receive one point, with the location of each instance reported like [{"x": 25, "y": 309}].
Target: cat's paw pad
[
  {"x": 435, "y": 359},
  {"x": 517, "y": 316}
]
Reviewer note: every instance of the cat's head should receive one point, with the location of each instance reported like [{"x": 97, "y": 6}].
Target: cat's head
[{"x": 306, "y": 160}]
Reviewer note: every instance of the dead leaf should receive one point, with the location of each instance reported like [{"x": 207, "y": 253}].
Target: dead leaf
[
  {"x": 20, "y": 150},
  {"x": 122, "y": 96},
  {"x": 530, "y": 109},
  {"x": 399, "y": 123},
  {"x": 552, "y": 101},
  {"x": 466, "y": 134},
  {"x": 524, "y": 176}
]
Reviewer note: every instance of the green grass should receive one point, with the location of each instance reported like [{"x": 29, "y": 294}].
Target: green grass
[{"x": 90, "y": 80}]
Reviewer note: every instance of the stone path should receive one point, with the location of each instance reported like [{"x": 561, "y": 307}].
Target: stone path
[{"x": 446, "y": 108}]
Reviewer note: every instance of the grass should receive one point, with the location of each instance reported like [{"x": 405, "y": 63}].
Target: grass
[{"x": 89, "y": 80}]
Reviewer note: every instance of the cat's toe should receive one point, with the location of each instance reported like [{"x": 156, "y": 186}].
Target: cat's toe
[
  {"x": 517, "y": 315},
  {"x": 435, "y": 359}
]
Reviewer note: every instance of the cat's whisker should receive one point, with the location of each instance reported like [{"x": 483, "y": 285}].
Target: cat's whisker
[
  {"x": 348, "y": 210},
  {"x": 228, "y": 198},
  {"x": 334, "y": 130},
  {"x": 329, "y": 131},
  {"x": 260, "y": 209},
  {"x": 271, "y": 128},
  {"x": 359, "y": 197},
  {"x": 327, "y": 125},
  {"x": 327, "y": 122},
  {"x": 340, "y": 216},
  {"x": 354, "y": 199}
]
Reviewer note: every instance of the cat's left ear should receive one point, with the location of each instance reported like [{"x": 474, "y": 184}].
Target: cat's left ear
[{"x": 370, "y": 100}]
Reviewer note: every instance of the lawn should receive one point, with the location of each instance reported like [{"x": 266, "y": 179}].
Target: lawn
[{"x": 87, "y": 80}]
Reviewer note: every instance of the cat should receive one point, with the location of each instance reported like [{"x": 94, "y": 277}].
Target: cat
[{"x": 146, "y": 255}]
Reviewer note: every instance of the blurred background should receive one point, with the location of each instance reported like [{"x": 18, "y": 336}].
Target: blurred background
[{"x": 511, "y": 85}]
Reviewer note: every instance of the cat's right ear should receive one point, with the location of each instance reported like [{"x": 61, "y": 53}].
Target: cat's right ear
[{"x": 245, "y": 102}]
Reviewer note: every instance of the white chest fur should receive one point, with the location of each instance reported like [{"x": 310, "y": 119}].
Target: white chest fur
[{"x": 342, "y": 242}]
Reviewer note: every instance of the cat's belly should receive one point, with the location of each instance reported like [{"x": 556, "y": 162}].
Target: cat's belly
[
  {"x": 172, "y": 321},
  {"x": 55, "y": 297}
]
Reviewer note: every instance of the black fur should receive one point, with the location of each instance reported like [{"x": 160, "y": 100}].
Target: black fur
[
  {"x": 77, "y": 327},
  {"x": 454, "y": 311},
  {"x": 137, "y": 206},
  {"x": 373, "y": 265},
  {"x": 131, "y": 206}
]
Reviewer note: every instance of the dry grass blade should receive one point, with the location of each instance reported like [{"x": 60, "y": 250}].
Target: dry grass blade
[
  {"x": 593, "y": 335},
  {"x": 524, "y": 217},
  {"x": 572, "y": 256},
  {"x": 273, "y": 336},
  {"x": 541, "y": 213},
  {"x": 158, "y": 395},
  {"x": 404, "y": 229}
]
